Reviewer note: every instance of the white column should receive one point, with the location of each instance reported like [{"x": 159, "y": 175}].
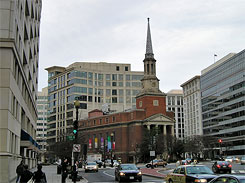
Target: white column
[
  {"x": 172, "y": 130},
  {"x": 148, "y": 127},
  {"x": 164, "y": 130}
]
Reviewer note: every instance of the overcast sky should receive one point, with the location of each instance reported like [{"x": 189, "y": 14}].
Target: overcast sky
[{"x": 185, "y": 34}]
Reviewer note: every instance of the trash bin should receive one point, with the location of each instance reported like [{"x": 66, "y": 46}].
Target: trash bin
[{"x": 59, "y": 169}]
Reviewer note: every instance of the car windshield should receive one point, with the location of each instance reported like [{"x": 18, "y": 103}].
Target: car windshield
[
  {"x": 198, "y": 170},
  {"x": 91, "y": 163},
  {"x": 222, "y": 162},
  {"x": 129, "y": 167}
]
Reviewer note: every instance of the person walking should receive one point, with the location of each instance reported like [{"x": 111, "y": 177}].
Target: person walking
[
  {"x": 19, "y": 170},
  {"x": 39, "y": 175},
  {"x": 26, "y": 176},
  {"x": 64, "y": 172}
]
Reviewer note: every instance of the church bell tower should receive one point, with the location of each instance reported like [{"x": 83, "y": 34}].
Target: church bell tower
[{"x": 150, "y": 97}]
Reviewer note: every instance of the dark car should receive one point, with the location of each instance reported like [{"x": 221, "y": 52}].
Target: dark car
[
  {"x": 221, "y": 166},
  {"x": 127, "y": 172},
  {"x": 229, "y": 179},
  {"x": 191, "y": 174}
]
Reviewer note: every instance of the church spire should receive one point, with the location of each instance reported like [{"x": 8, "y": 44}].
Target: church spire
[{"x": 149, "y": 50}]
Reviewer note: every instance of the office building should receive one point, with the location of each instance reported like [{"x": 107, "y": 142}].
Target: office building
[
  {"x": 42, "y": 109},
  {"x": 110, "y": 87},
  {"x": 192, "y": 107},
  {"x": 19, "y": 50},
  {"x": 174, "y": 103},
  {"x": 223, "y": 104}
]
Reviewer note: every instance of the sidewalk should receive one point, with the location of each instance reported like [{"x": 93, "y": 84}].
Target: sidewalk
[{"x": 53, "y": 177}]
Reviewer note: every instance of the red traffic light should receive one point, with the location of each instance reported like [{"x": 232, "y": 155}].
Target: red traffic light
[{"x": 220, "y": 141}]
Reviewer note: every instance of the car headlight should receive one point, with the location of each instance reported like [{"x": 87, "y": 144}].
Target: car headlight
[
  {"x": 200, "y": 180},
  {"x": 139, "y": 173},
  {"x": 122, "y": 174}
]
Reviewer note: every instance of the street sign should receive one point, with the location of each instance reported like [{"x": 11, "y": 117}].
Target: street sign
[
  {"x": 76, "y": 148},
  {"x": 71, "y": 137},
  {"x": 152, "y": 153}
]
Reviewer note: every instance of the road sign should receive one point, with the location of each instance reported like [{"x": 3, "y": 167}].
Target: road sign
[
  {"x": 76, "y": 148},
  {"x": 152, "y": 153},
  {"x": 71, "y": 137}
]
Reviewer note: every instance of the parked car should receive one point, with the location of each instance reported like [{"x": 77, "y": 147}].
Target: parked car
[
  {"x": 156, "y": 163},
  {"x": 221, "y": 166},
  {"x": 229, "y": 179},
  {"x": 127, "y": 172},
  {"x": 242, "y": 160},
  {"x": 232, "y": 159},
  {"x": 191, "y": 174},
  {"x": 91, "y": 166}
]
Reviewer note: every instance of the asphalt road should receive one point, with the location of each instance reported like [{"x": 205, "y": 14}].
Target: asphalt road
[{"x": 107, "y": 175}]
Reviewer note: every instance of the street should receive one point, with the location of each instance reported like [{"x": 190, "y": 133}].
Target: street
[{"x": 107, "y": 174}]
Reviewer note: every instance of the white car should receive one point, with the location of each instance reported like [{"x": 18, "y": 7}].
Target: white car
[
  {"x": 91, "y": 166},
  {"x": 231, "y": 159}
]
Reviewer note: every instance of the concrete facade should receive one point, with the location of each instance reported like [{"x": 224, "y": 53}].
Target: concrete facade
[
  {"x": 42, "y": 108},
  {"x": 19, "y": 50},
  {"x": 192, "y": 107},
  {"x": 174, "y": 103}
]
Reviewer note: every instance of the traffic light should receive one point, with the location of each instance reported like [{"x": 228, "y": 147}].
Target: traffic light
[
  {"x": 220, "y": 141},
  {"x": 75, "y": 127}
]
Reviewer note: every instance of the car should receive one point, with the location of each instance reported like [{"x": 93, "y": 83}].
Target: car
[
  {"x": 91, "y": 166},
  {"x": 242, "y": 160},
  {"x": 125, "y": 172},
  {"x": 232, "y": 159},
  {"x": 99, "y": 163},
  {"x": 217, "y": 158},
  {"x": 190, "y": 174},
  {"x": 181, "y": 162},
  {"x": 156, "y": 163},
  {"x": 229, "y": 179},
  {"x": 188, "y": 160},
  {"x": 221, "y": 166}
]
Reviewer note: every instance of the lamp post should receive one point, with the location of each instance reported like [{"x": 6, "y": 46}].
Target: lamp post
[{"x": 112, "y": 135}]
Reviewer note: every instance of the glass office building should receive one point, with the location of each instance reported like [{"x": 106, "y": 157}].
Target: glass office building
[{"x": 223, "y": 99}]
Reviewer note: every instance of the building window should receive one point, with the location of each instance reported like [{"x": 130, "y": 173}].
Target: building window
[
  {"x": 140, "y": 103},
  {"x": 113, "y": 118},
  {"x": 117, "y": 68},
  {"x": 94, "y": 122},
  {"x": 114, "y": 99},
  {"x": 114, "y": 92},
  {"x": 107, "y": 120},
  {"x": 155, "y": 103},
  {"x": 100, "y": 121},
  {"x": 114, "y": 83},
  {"x": 126, "y": 68}
]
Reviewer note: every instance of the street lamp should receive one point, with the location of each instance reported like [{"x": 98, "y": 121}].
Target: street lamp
[{"x": 112, "y": 135}]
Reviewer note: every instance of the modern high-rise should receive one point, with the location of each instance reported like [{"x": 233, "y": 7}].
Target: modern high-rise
[
  {"x": 174, "y": 103},
  {"x": 223, "y": 103},
  {"x": 19, "y": 54},
  {"x": 111, "y": 87},
  {"x": 42, "y": 108},
  {"x": 192, "y": 107}
]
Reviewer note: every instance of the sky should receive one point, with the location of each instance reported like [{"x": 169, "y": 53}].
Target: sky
[{"x": 185, "y": 34}]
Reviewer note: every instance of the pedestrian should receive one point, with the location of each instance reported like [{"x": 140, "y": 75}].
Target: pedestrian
[
  {"x": 74, "y": 172},
  {"x": 64, "y": 171},
  {"x": 26, "y": 176},
  {"x": 19, "y": 170},
  {"x": 39, "y": 175}
]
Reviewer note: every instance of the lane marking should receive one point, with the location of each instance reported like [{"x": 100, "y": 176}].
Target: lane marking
[{"x": 104, "y": 172}]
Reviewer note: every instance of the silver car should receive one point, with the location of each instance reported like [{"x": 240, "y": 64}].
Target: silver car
[{"x": 91, "y": 166}]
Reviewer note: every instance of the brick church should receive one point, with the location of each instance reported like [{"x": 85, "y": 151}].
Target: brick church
[{"x": 118, "y": 135}]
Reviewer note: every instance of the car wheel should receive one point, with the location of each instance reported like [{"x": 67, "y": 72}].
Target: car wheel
[
  {"x": 140, "y": 179},
  {"x": 116, "y": 179},
  {"x": 147, "y": 166},
  {"x": 170, "y": 181}
]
